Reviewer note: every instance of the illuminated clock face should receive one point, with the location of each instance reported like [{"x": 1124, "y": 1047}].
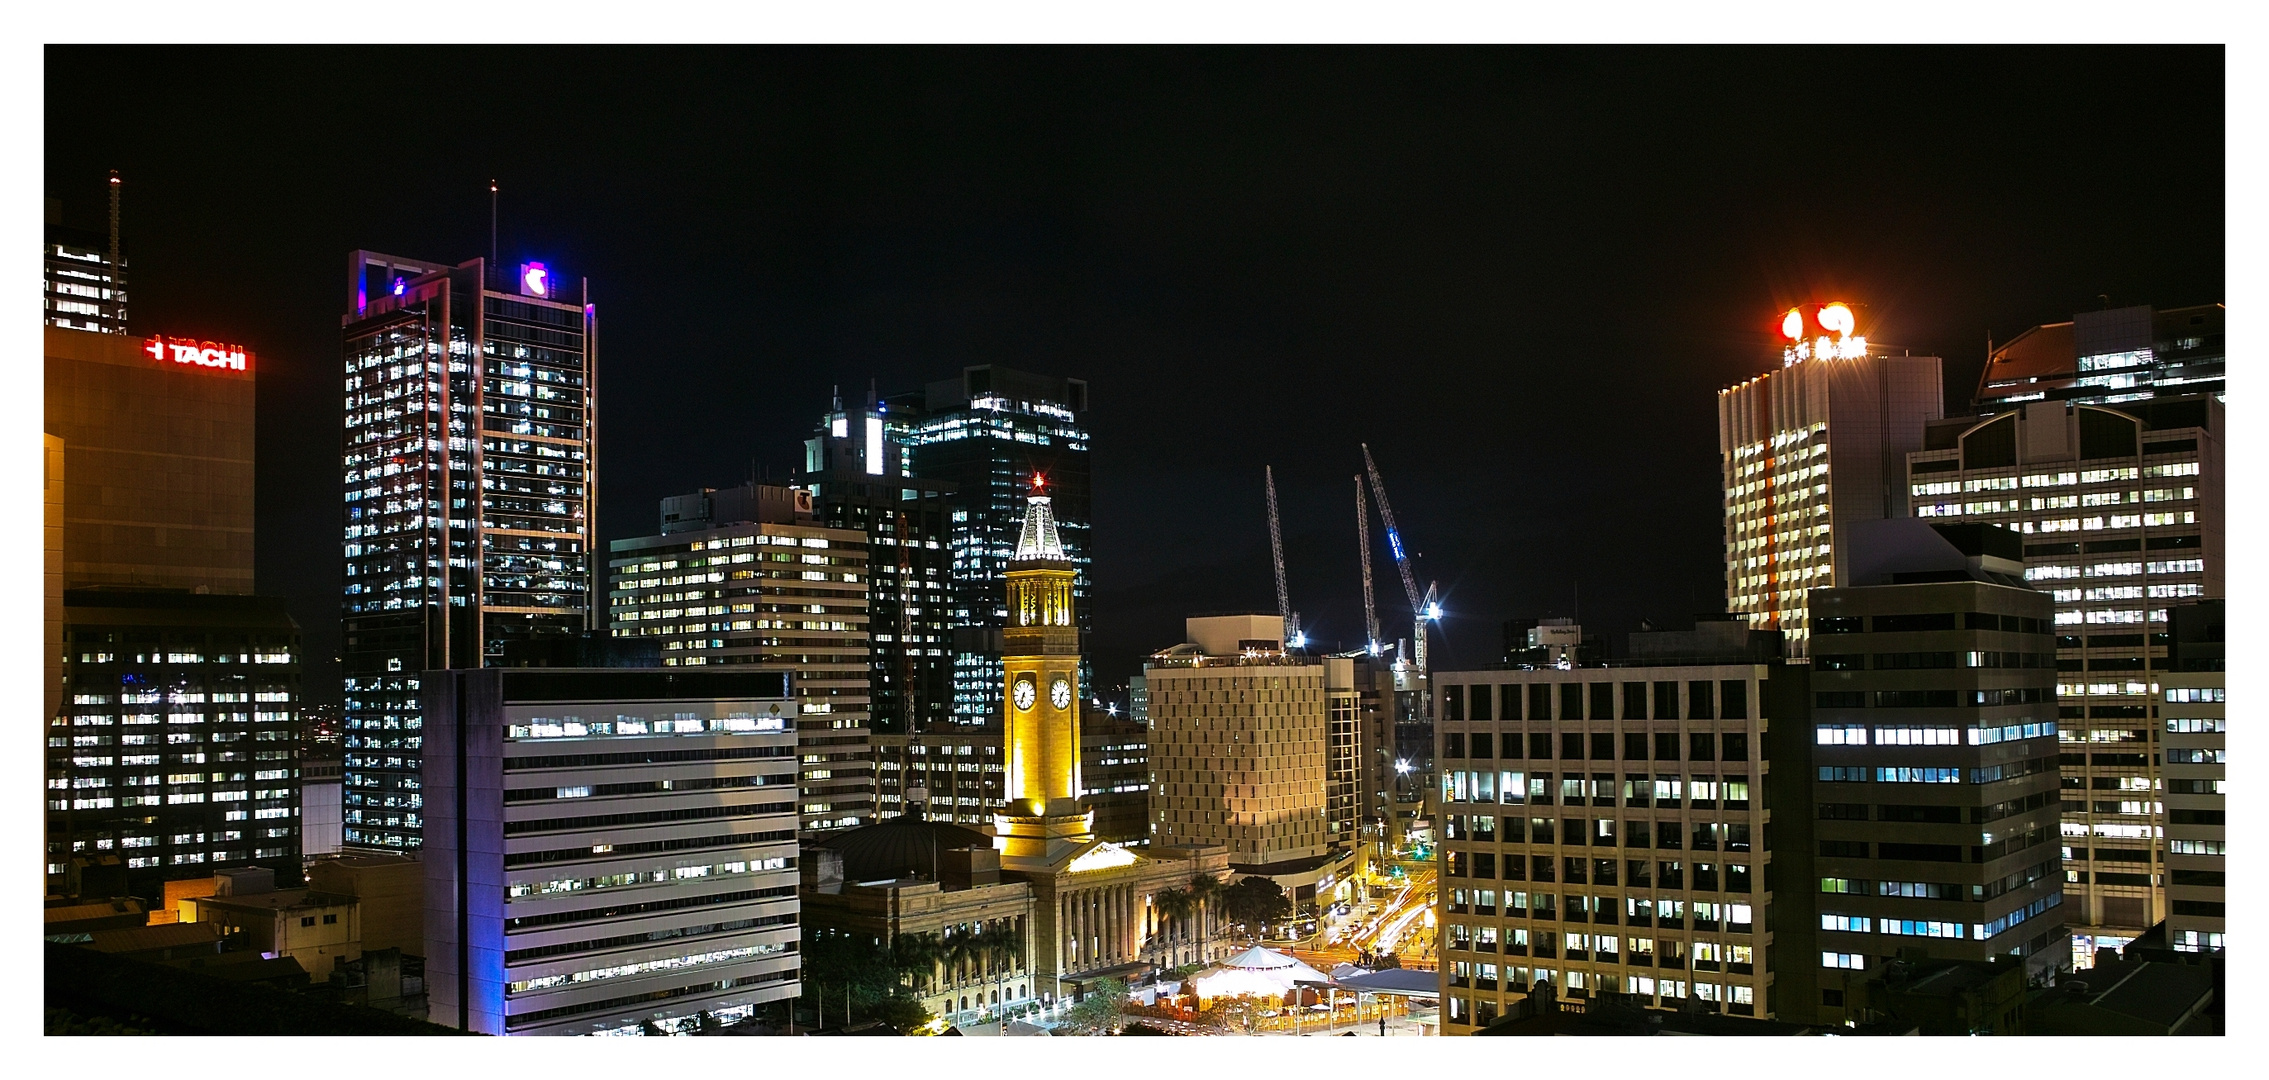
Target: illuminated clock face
[
  {"x": 1024, "y": 694},
  {"x": 1059, "y": 693}
]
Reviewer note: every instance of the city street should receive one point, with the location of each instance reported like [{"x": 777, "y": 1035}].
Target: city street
[{"x": 1401, "y": 923}]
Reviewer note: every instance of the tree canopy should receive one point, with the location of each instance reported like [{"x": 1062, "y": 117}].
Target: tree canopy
[
  {"x": 1256, "y": 902},
  {"x": 1099, "y": 1011}
]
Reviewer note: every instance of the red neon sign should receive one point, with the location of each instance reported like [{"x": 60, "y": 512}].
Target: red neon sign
[{"x": 201, "y": 353}]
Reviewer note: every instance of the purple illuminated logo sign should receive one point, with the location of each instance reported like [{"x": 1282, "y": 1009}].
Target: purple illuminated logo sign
[
  {"x": 535, "y": 280},
  {"x": 400, "y": 285}
]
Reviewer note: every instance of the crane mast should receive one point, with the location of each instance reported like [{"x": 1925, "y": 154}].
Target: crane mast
[
  {"x": 1422, "y": 608},
  {"x": 1394, "y": 535},
  {"x": 1293, "y": 638},
  {"x": 1363, "y": 542}
]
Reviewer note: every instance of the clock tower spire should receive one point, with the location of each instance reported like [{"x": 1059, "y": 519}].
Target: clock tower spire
[{"x": 1045, "y": 825}]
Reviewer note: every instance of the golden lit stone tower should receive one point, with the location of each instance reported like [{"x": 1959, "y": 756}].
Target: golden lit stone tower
[{"x": 1045, "y": 825}]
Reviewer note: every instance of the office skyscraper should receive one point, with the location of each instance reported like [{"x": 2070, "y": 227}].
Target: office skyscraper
[
  {"x": 468, "y": 451},
  {"x": 859, "y": 478},
  {"x": 172, "y": 696},
  {"x": 1807, "y": 451},
  {"x": 2194, "y": 694},
  {"x": 1606, "y": 830},
  {"x": 2120, "y": 511},
  {"x": 2106, "y": 357},
  {"x": 746, "y": 576},
  {"x": 1934, "y": 744},
  {"x": 85, "y": 279},
  {"x": 176, "y": 754},
  {"x": 991, "y": 433},
  {"x": 618, "y": 851},
  {"x": 1241, "y": 744}
]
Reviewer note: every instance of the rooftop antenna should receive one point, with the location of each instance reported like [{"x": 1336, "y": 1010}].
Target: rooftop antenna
[
  {"x": 492, "y": 227},
  {"x": 115, "y": 278}
]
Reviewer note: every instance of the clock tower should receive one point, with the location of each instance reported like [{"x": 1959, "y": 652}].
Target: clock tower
[{"x": 1045, "y": 826}]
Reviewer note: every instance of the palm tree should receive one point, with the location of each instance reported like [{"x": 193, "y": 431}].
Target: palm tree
[
  {"x": 916, "y": 953},
  {"x": 1205, "y": 891},
  {"x": 997, "y": 945},
  {"x": 955, "y": 953},
  {"x": 1175, "y": 905}
]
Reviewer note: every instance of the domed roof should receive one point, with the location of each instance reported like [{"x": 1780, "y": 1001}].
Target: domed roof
[{"x": 899, "y": 847}]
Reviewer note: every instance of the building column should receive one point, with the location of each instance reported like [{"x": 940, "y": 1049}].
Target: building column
[
  {"x": 1084, "y": 952},
  {"x": 1119, "y": 919}
]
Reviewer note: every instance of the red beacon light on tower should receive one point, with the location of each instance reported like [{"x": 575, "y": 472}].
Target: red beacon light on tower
[{"x": 1821, "y": 332}]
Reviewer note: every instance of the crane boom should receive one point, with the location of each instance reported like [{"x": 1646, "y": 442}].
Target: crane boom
[
  {"x": 1394, "y": 535},
  {"x": 1363, "y": 541},
  {"x": 1276, "y": 554}
]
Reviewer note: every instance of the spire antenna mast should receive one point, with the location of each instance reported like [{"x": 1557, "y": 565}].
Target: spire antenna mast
[
  {"x": 492, "y": 228},
  {"x": 117, "y": 279}
]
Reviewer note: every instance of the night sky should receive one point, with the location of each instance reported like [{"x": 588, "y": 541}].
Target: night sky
[{"x": 1520, "y": 275}]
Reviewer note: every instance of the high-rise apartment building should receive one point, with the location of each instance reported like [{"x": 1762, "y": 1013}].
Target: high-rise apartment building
[
  {"x": 85, "y": 273},
  {"x": 608, "y": 849},
  {"x": 469, "y": 454},
  {"x": 774, "y": 590},
  {"x": 1933, "y": 786},
  {"x": 1241, "y": 751},
  {"x": 1605, "y": 828},
  {"x": 2120, "y": 509},
  {"x": 859, "y": 478},
  {"x": 2193, "y": 695},
  {"x": 1808, "y": 450},
  {"x": 997, "y": 434},
  {"x": 172, "y": 695},
  {"x": 2110, "y": 356}
]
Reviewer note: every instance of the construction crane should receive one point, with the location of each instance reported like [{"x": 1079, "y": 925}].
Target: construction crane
[
  {"x": 1293, "y": 638},
  {"x": 1424, "y": 608},
  {"x": 1363, "y": 542}
]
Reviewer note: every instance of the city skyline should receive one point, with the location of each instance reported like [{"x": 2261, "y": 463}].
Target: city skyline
[
  {"x": 1229, "y": 249},
  {"x": 1800, "y": 607}
]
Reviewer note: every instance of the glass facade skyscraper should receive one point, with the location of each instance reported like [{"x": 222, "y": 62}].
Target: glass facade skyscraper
[
  {"x": 990, "y": 433},
  {"x": 858, "y": 476},
  {"x": 468, "y": 472}
]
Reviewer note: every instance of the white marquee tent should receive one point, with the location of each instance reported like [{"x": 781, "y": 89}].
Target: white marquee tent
[{"x": 1256, "y": 971}]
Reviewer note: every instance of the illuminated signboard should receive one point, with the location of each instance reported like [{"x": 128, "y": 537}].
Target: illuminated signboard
[
  {"x": 535, "y": 280},
  {"x": 1821, "y": 332},
  {"x": 201, "y": 353}
]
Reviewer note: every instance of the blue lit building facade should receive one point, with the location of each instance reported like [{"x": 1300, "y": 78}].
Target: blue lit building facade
[
  {"x": 989, "y": 433},
  {"x": 467, "y": 452},
  {"x": 614, "y": 852}
]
